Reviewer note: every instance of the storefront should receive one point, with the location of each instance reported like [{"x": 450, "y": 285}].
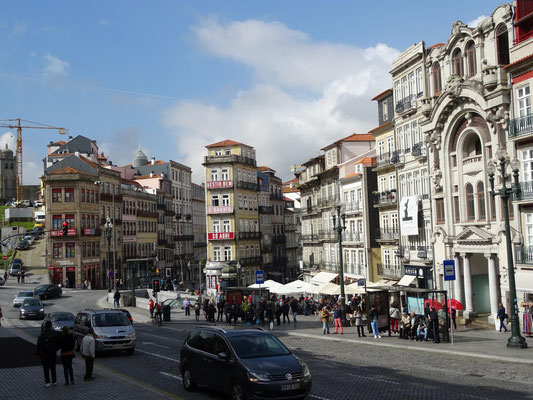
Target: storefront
[{"x": 422, "y": 275}]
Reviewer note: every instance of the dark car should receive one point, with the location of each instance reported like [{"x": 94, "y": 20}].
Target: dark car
[
  {"x": 31, "y": 308},
  {"x": 23, "y": 245},
  {"x": 15, "y": 269},
  {"x": 48, "y": 291},
  {"x": 59, "y": 320},
  {"x": 248, "y": 363}
]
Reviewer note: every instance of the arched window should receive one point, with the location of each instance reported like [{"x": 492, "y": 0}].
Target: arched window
[
  {"x": 502, "y": 41},
  {"x": 471, "y": 59},
  {"x": 470, "y": 208},
  {"x": 481, "y": 201},
  {"x": 458, "y": 63},
  {"x": 437, "y": 80},
  {"x": 472, "y": 146}
]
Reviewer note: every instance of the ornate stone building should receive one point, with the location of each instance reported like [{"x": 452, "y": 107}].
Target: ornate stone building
[{"x": 8, "y": 175}]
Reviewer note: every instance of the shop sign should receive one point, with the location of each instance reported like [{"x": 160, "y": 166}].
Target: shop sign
[
  {"x": 89, "y": 231},
  {"x": 71, "y": 269},
  {"x": 220, "y": 209},
  {"x": 220, "y": 236},
  {"x": 70, "y": 232},
  {"x": 65, "y": 262},
  {"x": 413, "y": 271},
  {"x": 219, "y": 184}
]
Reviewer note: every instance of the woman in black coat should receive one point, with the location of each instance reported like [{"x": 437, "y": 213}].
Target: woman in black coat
[
  {"x": 502, "y": 316},
  {"x": 66, "y": 344}
]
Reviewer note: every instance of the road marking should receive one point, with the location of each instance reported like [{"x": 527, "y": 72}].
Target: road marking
[
  {"x": 375, "y": 379},
  {"x": 157, "y": 336},
  {"x": 475, "y": 397},
  {"x": 171, "y": 375},
  {"x": 157, "y": 345},
  {"x": 157, "y": 355},
  {"x": 318, "y": 397}
]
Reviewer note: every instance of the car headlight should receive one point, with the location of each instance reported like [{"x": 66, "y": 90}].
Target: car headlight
[
  {"x": 41, "y": 310},
  {"x": 130, "y": 335},
  {"x": 101, "y": 337},
  {"x": 258, "y": 377},
  {"x": 305, "y": 368}
]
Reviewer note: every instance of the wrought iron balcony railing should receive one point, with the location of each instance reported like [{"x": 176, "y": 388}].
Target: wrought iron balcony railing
[
  {"x": 521, "y": 126},
  {"x": 389, "y": 271}
]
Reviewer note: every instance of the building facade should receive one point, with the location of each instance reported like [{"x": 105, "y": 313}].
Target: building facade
[{"x": 8, "y": 176}]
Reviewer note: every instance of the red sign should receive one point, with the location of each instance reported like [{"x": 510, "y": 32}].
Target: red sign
[
  {"x": 70, "y": 232},
  {"x": 88, "y": 231},
  {"x": 4, "y": 257},
  {"x": 71, "y": 269},
  {"x": 219, "y": 184},
  {"x": 50, "y": 267},
  {"x": 220, "y": 209},
  {"x": 220, "y": 236}
]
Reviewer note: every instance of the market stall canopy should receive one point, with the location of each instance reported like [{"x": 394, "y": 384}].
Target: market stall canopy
[
  {"x": 323, "y": 277},
  {"x": 306, "y": 286},
  {"x": 406, "y": 280},
  {"x": 354, "y": 288},
  {"x": 330, "y": 288},
  {"x": 269, "y": 284},
  {"x": 353, "y": 276},
  {"x": 284, "y": 289}
]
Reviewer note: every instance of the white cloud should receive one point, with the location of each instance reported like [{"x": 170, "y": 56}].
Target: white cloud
[
  {"x": 474, "y": 23},
  {"x": 55, "y": 67},
  {"x": 283, "y": 125},
  {"x": 10, "y": 139}
]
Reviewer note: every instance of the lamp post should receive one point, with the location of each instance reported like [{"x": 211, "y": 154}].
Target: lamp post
[
  {"x": 100, "y": 184},
  {"x": 239, "y": 273},
  {"x": 505, "y": 193},
  {"x": 108, "y": 229},
  {"x": 339, "y": 228}
]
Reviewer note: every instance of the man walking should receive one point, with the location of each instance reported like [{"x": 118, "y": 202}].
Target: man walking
[
  {"x": 116, "y": 297},
  {"x": 88, "y": 353},
  {"x": 434, "y": 318},
  {"x": 46, "y": 350},
  {"x": 294, "y": 309},
  {"x": 220, "y": 310},
  {"x": 187, "y": 306}
]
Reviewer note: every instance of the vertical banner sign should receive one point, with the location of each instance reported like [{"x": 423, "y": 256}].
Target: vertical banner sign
[{"x": 409, "y": 215}]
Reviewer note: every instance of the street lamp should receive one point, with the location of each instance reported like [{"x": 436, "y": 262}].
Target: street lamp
[
  {"x": 108, "y": 229},
  {"x": 505, "y": 193},
  {"x": 339, "y": 228},
  {"x": 239, "y": 273},
  {"x": 101, "y": 184}
]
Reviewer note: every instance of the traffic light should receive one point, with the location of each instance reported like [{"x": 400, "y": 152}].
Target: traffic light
[
  {"x": 65, "y": 228},
  {"x": 155, "y": 285}
]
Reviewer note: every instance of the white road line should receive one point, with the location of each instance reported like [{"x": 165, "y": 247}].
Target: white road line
[
  {"x": 158, "y": 355},
  {"x": 375, "y": 379},
  {"x": 157, "y": 345},
  {"x": 318, "y": 397},
  {"x": 171, "y": 375}
]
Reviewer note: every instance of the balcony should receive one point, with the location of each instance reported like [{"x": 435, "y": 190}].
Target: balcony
[
  {"x": 352, "y": 237},
  {"x": 325, "y": 202},
  {"x": 249, "y": 235},
  {"x": 183, "y": 238},
  {"x": 266, "y": 247},
  {"x": 387, "y": 235},
  {"x": 231, "y": 158},
  {"x": 521, "y": 126},
  {"x": 406, "y": 105},
  {"x": 251, "y": 261},
  {"x": 419, "y": 150},
  {"x": 147, "y": 214},
  {"x": 525, "y": 193},
  {"x": 384, "y": 199},
  {"x": 169, "y": 213},
  {"x": 219, "y": 184},
  {"x": 276, "y": 196},
  {"x": 248, "y": 185},
  {"x": 91, "y": 232},
  {"x": 200, "y": 244},
  {"x": 115, "y": 222},
  {"x": 279, "y": 239},
  {"x": 109, "y": 197},
  {"x": 389, "y": 271},
  {"x": 308, "y": 210},
  {"x": 219, "y": 210},
  {"x": 162, "y": 242},
  {"x": 292, "y": 244},
  {"x": 523, "y": 254},
  {"x": 310, "y": 238},
  {"x": 353, "y": 208},
  {"x": 266, "y": 210},
  {"x": 424, "y": 253},
  {"x": 59, "y": 234},
  {"x": 160, "y": 207}
]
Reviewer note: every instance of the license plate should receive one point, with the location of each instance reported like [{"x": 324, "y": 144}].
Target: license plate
[
  {"x": 292, "y": 386},
  {"x": 31, "y": 314}
]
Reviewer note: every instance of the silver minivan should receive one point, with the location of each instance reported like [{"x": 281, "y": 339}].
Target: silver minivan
[{"x": 112, "y": 330}]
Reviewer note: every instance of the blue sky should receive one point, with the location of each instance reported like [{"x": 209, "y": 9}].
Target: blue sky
[{"x": 287, "y": 77}]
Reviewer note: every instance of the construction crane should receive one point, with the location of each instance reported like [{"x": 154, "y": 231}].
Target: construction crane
[{"x": 19, "y": 127}]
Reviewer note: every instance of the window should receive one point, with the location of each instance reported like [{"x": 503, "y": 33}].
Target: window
[
  {"x": 225, "y": 199},
  {"x": 227, "y": 152},
  {"x": 70, "y": 250},
  {"x": 412, "y": 84},
  {"x": 482, "y": 215},
  {"x": 214, "y": 175},
  {"x": 472, "y": 146},
  {"x": 390, "y": 144},
  {"x": 419, "y": 83},
  {"x": 523, "y": 100},
  {"x": 492, "y": 209},
  {"x": 56, "y": 195},
  {"x": 385, "y": 110},
  {"x": 439, "y": 208},
  {"x": 437, "y": 79},
  {"x": 510, "y": 207},
  {"x": 225, "y": 174},
  {"x": 502, "y": 45},
  {"x": 471, "y": 59},
  {"x": 227, "y": 226},
  {"x": 458, "y": 63},
  {"x": 527, "y": 165},
  {"x": 405, "y": 88},
  {"x": 216, "y": 226},
  {"x": 399, "y": 137},
  {"x": 214, "y": 200},
  {"x": 227, "y": 253},
  {"x": 58, "y": 250},
  {"x": 57, "y": 222},
  {"x": 470, "y": 208},
  {"x": 218, "y": 152},
  {"x": 69, "y": 195},
  {"x": 456, "y": 214},
  {"x": 397, "y": 92},
  {"x": 83, "y": 195},
  {"x": 425, "y": 181},
  {"x": 381, "y": 148}
]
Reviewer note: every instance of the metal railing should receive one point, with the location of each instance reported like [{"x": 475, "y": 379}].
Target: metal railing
[
  {"x": 389, "y": 271},
  {"x": 328, "y": 201},
  {"x": 385, "y": 198},
  {"x": 406, "y": 104},
  {"x": 419, "y": 150},
  {"x": 251, "y": 260},
  {"x": 230, "y": 159},
  {"x": 278, "y": 239},
  {"x": 525, "y": 192},
  {"x": 248, "y": 185},
  {"x": 249, "y": 235},
  {"x": 387, "y": 234},
  {"x": 310, "y": 238},
  {"x": 523, "y": 254},
  {"x": 352, "y": 237},
  {"x": 521, "y": 126},
  {"x": 353, "y": 207}
]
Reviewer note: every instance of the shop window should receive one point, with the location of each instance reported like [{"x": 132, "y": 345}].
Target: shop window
[
  {"x": 69, "y": 195},
  {"x": 470, "y": 207},
  {"x": 57, "y": 222},
  {"x": 70, "y": 250},
  {"x": 83, "y": 195},
  {"x": 56, "y": 195},
  {"x": 502, "y": 44},
  {"x": 58, "y": 250},
  {"x": 481, "y": 201}
]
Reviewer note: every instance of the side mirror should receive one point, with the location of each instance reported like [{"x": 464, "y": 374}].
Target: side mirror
[{"x": 223, "y": 356}]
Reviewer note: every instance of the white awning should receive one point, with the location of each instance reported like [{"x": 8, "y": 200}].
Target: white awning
[
  {"x": 524, "y": 281},
  {"x": 323, "y": 277},
  {"x": 354, "y": 288},
  {"x": 267, "y": 285},
  {"x": 352, "y": 276},
  {"x": 330, "y": 288},
  {"x": 406, "y": 280}
]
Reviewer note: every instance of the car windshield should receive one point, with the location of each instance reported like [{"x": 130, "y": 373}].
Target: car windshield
[
  {"x": 31, "y": 302},
  {"x": 110, "y": 319},
  {"x": 255, "y": 346},
  {"x": 25, "y": 294},
  {"x": 62, "y": 317}
]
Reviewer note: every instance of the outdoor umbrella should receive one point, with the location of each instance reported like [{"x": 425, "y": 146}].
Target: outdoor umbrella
[
  {"x": 433, "y": 303},
  {"x": 452, "y": 303}
]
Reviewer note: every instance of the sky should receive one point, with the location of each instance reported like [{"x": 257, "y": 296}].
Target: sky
[{"x": 170, "y": 77}]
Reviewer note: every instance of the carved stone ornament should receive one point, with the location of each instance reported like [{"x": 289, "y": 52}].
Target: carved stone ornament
[
  {"x": 453, "y": 86},
  {"x": 456, "y": 27},
  {"x": 436, "y": 176}
]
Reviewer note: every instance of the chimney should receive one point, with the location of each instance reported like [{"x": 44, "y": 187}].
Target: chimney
[
  {"x": 152, "y": 174},
  {"x": 153, "y": 160},
  {"x": 77, "y": 153},
  {"x": 70, "y": 138}
]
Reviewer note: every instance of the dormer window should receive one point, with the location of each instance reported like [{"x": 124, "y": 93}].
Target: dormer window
[{"x": 228, "y": 152}]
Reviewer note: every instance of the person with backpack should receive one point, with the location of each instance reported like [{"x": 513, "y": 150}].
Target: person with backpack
[
  {"x": 197, "y": 310},
  {"x": 66, "y": 344},
  {"x": 116, "y": 297},
  {"x": 46, "y": 350},
  {"x": 285, "y": 310},
  {"x": 88, "y": 352}
]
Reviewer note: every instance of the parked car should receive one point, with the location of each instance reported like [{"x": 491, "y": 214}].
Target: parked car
[
  {"x": 2, "y": 281},
  {"x": 17, "y": 261},
  {"x": 15, "y": 269},
  {"x": 246, "y": 363},
  {"x": 48, "y": 291},
  {"x": 21, "y": 296},
  {"x": 31, "y": 308},
  {"x": 37, "y": 203},
  {"x": 29, "y": 239},
  {"x": 23, "y": 245},
  {"x": 112, "y": 330},
  {"x": 59, "y": 320}
]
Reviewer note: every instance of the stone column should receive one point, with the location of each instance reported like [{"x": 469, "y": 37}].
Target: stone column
[
  {"x": 458, "y": 284},
  {"x": 469, "y": 295},
  {"x": 493, "y": 285}
]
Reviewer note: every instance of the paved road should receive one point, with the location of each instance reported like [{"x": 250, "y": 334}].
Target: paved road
[{"x": 340, "y": 369}]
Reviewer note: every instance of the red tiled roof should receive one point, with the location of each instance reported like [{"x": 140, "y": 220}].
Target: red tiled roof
[
  {"x": 126, "y": 166},
  {"x": 58, "y": 143},
  {"x": 435, "y": 46},
  {"x": 147, "y": 177},
  {"x": 130, "y": 182},
  {"x": 358, "y": 137},
  {"x": 265, "y": 169},
  {"x": 366, "y": 161},
  {"x": 382, "y": 94},
  {"x": 91, "y": 163},
  {"x": 288, "y": 189},
  {"x": 295, "y": 180},
  {"x": 67, "y": 170},
  {"x": 518, "y": 61},
  {"x": 226, "y": 142},
  {"x": 351, "y": 175},
  {"x": 379, "y": 127},
  {"x": 157, "y": 162},
  {"x": 102, "y": 157},
  {"x": 287, "y": 199}
]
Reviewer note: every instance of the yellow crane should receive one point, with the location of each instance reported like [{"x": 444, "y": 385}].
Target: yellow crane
[{"x": 16, "y": 124}]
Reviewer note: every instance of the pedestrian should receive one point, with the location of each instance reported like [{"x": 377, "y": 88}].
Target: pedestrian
[
  {"x": 18, "y": 277},
  {"x": 395, "y": 316},
  {"x": 197, "y": 310},
  {"x": 88, "y": 353},
  {"x": 277, "y": 312},
  {"x": 270, "y": 314},
  {"x": 1, "y": 315},
  {"x": 325, "y": 320},
  {"x": 66, "y": 345},
  {"x": 502, "y": 316},
  {"x": 434, "y": 318},
  {"x": 285, "y": 310},
  {"x": 67, "y": 282},
  {"x": 294, "y": 309},
  {"x": 220, "y": 309},
  {"x": 116, "y": 297},
  {"x": 211, "y": 310},
  {"x": 337, "y": 318},
  {"x": 46, "y": 350},
  {"x": 405, "y": 326},
  {"x": 359, "y": 322},
  {"x": 175, "y": 286},
  {"x": 151, "y": 308},
  {"x": 454, "y": 316},
  {"x": 5, "y": 276},
  {"x": 374, "y": 321},
  {"x": 187, "y": 306},
  {"x": 22, "y": 275}
]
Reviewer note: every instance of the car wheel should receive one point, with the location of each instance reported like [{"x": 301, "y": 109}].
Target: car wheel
[
  {"x": 188, "y": 383},
  {"x": 130, "y": 351},
  {"x": 237, "y": 392}
]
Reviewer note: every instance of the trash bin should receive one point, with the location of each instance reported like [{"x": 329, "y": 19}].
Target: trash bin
[{"x": 166, "y": 313}]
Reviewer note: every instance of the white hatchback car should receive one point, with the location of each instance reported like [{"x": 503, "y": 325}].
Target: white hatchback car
[{"x": 26, "y": 294}]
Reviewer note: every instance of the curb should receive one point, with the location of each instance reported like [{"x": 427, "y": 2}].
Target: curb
[{"x": 408, "y": 347}]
